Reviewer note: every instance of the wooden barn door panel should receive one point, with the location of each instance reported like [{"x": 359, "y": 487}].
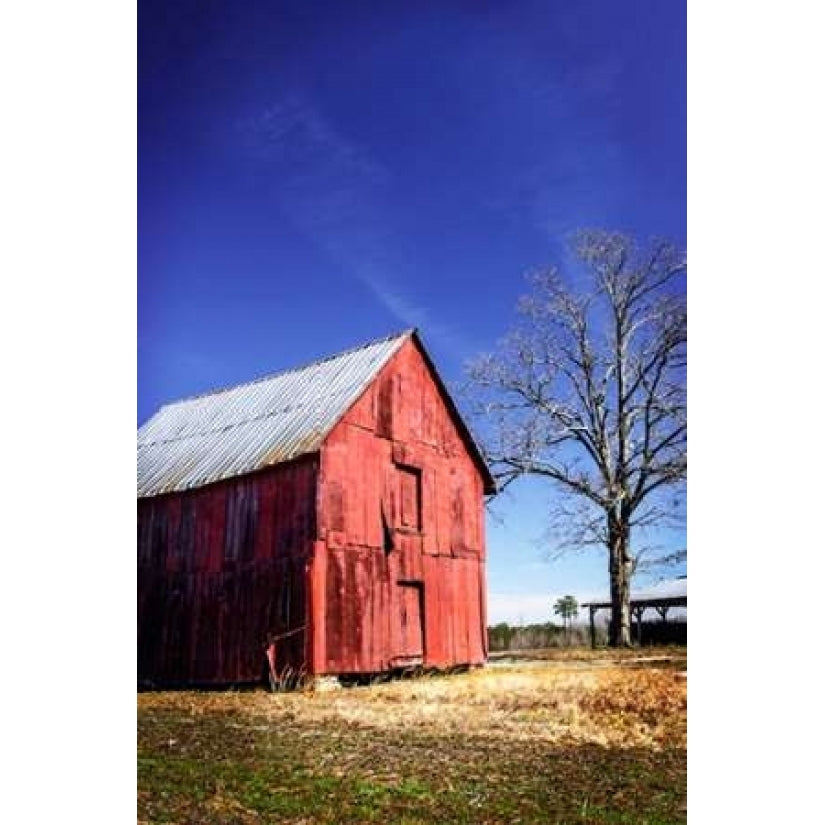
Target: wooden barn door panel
[{"x": 410, "y": 636}]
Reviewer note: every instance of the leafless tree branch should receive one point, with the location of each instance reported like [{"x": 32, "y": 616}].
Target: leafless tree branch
[{"x": 589, "y": 391}]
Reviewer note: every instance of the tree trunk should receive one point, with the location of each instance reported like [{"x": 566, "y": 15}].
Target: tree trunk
[{"x": 619, "y": 585}]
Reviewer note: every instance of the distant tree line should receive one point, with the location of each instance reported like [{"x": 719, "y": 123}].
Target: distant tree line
[{"x": 504, "y": 636}]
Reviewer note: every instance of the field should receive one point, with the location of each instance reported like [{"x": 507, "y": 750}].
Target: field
[{"x": 568, "y": 736}]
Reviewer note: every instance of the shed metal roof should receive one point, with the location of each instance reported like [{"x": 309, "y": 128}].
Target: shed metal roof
[
  {"x": 672, "y": 590},
  {"x": 229, "y": 432}
]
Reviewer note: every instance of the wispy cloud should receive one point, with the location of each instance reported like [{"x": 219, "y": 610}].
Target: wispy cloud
[
  {"x": 293, "y": 136},
  {"x": 413, "y": 314},
  {"x": 568, "y": 173},
  {"x": 338, "y": 196}
]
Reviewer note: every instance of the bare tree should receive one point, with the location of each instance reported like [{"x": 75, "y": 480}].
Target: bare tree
[{"x": 589, "y": 392}]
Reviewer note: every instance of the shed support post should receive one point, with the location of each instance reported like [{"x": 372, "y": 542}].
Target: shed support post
[
  {"x": 638, "y": 612},
  {"x": 592, "y": 627}
]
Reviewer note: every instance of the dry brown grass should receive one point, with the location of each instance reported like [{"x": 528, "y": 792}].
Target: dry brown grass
[
  {"x": 610, "y": 705},
  {"x": 426, "y": 740}
]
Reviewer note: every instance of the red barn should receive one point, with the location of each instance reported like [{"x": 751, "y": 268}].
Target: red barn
[{"x": 328, "y": 519}]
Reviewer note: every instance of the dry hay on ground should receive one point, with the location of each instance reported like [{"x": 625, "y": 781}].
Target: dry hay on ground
[{"x": 534, "y": 742}]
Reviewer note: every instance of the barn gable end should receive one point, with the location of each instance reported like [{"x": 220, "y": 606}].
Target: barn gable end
[{"x": 401, "y": 528}]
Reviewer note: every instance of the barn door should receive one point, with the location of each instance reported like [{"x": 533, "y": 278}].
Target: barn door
[{"x": 410, "y": 637}]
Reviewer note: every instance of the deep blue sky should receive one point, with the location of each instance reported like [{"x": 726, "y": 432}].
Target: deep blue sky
[{"x": 314, "y": 175}]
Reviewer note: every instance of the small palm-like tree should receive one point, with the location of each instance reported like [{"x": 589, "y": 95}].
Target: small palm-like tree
[{"x": 568, "y": 608}]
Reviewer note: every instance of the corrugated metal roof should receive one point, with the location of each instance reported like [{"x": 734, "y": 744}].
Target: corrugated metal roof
[
  {"x": 670, "y": 589},
  {"x": 237, "y": 430}
]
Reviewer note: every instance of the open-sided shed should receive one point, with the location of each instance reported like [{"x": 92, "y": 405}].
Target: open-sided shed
[
  {"x": 325, "y": 520},
  {"x": 661, "y": 597}
]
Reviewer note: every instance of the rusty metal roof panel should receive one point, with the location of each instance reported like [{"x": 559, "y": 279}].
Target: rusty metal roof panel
[{"x": 240, "y": 429}]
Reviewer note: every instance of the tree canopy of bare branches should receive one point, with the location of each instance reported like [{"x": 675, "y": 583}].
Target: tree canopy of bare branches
[{"x": 589, "y": 392}]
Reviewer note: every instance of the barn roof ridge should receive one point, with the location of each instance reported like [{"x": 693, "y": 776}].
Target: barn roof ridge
[{"x": 305, "y": 366}]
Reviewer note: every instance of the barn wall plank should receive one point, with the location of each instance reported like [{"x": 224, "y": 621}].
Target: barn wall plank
[{"x": 222, "y": 569}]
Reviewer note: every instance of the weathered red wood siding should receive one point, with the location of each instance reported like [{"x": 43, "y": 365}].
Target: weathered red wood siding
[
  {"x": 399, "y": 569},
  {"x": 220, "y": 570}
]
